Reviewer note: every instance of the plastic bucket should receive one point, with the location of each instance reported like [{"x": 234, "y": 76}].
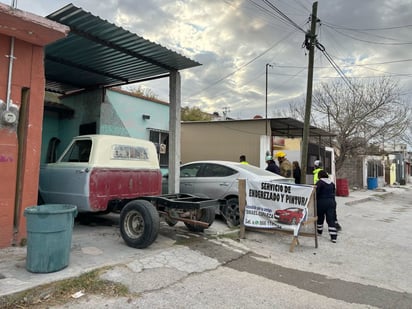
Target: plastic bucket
[
  {"x": 372, "y": 183},
  {"x": 49, "y": 236}
]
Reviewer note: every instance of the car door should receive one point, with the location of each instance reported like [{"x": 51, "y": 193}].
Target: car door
[
  {"x": 67, "y": 180},
  {"x": 216, "y": 181},
  {"x": 188, "y": 177}
]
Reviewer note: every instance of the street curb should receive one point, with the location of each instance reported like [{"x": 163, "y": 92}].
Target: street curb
[{"x": 367, "y": 199}]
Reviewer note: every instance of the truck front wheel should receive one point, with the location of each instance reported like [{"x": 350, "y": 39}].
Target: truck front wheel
[{"x": 139, "y": 224}]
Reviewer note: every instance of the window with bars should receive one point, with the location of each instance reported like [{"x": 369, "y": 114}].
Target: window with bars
[
  {"x": 375, "y": 168},
  {"x": 161, "y": 140}
]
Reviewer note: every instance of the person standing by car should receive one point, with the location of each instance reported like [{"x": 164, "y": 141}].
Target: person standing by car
[
  {"x": 271, "y": 165},
  {"x": 242, "y": 160},
  {"x": 296, "y": 171},
  {"x": 326, "y": 205},
  {"x": 318, "y": 168},
  {"x": 284, "y": 164}
]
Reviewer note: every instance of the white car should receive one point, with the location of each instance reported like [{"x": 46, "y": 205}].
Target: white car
[{"x": 219, "y": 180}]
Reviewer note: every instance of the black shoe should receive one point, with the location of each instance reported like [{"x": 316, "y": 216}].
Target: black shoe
[{"x": 338, "y": 227}]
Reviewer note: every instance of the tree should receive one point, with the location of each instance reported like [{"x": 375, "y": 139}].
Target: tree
[
  {"x": 360, "y": 113},
  {"x": 407, "y": 136},
  {"x": 194, "y": 114},
  {"x": 143, "y": 92},
  {"x": 364, "y": 116}
]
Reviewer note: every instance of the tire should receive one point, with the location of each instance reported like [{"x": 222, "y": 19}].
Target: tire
[
  {"x": 205, "y": 215},
  {"x": 139, "y": 224},
  {"x": 170, "y": 222},
  {"x": 231, "y": 211}
]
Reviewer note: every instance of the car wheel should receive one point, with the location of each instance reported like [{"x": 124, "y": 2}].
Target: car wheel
[
  {"x": 205, "y": 215},
  {"x": 139, "y": 224},
  {"x": 231, "y": 211}
]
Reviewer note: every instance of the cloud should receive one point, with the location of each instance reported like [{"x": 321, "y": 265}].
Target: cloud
[{"x": 235, "y": 39}]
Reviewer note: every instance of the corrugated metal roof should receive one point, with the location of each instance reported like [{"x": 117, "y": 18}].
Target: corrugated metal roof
[
  {"x": 287, "y": 127},
  {"x": 97, "y": 53},
  {"x": 291, "y": 127}
]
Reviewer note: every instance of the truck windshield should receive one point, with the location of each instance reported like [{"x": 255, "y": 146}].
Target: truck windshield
[{"x": 78, "y": 152}]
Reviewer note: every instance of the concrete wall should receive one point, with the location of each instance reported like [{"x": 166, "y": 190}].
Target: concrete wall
[
  {"x": 222, "y": 140},
  {"x": 352, "y": 170},
  {"x": 356, "y": 171}
]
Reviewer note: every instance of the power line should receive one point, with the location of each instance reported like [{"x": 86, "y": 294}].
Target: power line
[
  {"x": 302, "y": 5},
  {"x": 335, "y": 66},
  {"x": 273, "y": 11},
  {"x": 348, "y": 65},
  {"x": 259, "y": 16},
  {"x": 242, "y": 66},
  {"x": 283, "y": 15},
  {"x": 364, "y": 29},
  {"x": 370, "y": 42}
]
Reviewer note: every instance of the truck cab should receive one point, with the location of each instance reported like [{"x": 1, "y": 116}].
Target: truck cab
[{"x": 97, "y": 172}]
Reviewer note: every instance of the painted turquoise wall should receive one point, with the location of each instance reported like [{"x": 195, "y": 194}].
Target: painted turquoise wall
[
  {"x": 86, "y": 106},
  {"x": 115, "y": 113},
  {"x": 122, "y": 114},
  {"x": 50, "y": 130}
]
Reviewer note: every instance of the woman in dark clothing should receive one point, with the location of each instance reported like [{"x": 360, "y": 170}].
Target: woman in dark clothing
[
  {"x": 326, "y": 204},
  {"x": 296, "y": 171}
]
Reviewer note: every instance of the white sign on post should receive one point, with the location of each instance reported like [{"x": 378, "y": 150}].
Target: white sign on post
[{"x": 276, "y": 205}]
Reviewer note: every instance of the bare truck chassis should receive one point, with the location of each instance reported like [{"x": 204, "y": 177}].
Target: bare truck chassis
[
  {"x": 105, "y": 173},
  {"x": 140, "y": 218}
]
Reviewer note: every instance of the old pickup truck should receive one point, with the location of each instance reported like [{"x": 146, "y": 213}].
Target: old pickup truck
[{"x": 105, "y": 173}]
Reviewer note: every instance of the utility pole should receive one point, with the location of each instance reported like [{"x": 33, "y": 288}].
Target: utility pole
[
  {"x": 310, "y": 41},
  {"x": 226, "y": 110},
  {"x": 266, "y": 98}
]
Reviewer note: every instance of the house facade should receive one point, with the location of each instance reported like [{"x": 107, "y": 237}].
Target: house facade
[
  {"x": 22, "y": 84},
  {"x": 227, "y": 140},
  {"x": 43, "y": 53}
]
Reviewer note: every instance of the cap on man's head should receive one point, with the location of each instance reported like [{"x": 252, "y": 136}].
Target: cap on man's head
[
  {"x": 317, "y": 163},
  {"x": 280, "y": 154}
]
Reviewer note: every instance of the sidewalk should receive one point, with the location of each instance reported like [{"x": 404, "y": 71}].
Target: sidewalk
[
  {"x": 99, "y": 245},
  {"x": 364, "y": 195}
]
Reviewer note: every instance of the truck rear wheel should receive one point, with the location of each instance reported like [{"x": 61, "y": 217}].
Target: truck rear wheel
[
  {"x": 205, "y": 215},
  {"x": 139, "y": 224}
]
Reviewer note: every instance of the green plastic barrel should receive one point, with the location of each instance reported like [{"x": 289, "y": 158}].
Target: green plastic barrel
[{"x": 49, "y": 236}]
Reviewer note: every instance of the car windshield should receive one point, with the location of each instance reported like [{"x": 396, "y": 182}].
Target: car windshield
[{"x": 256, "y": 170}]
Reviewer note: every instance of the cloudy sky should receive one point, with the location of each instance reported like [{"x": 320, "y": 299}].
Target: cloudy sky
[{"x": 236, "y": 40}]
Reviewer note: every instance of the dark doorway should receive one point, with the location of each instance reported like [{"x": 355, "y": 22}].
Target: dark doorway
[{"x": 87, "y": 128}]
